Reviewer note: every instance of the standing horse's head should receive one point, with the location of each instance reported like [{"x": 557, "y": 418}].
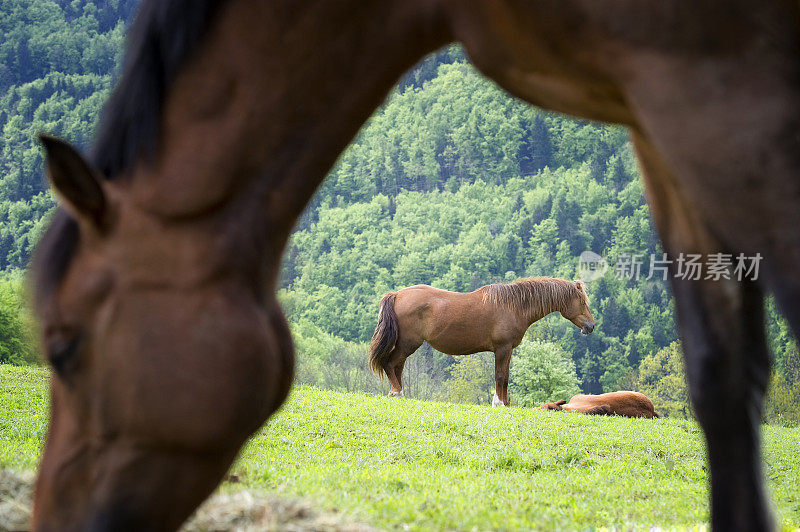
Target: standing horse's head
[
  {"x": 164, "y": 358},
  {"x": 577, "y": 310}
]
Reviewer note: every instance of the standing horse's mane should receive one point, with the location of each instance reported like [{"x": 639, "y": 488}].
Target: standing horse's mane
[
  {"x": 540, "y": 294},
  {"x": 161, "y": 39}
]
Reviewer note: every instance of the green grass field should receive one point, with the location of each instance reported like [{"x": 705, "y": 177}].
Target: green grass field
[{"x": 424, "y": 465}]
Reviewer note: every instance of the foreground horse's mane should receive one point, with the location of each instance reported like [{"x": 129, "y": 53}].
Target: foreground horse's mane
[
  {"x": 160, "y": 40},
  {"x": 540, "y": 294}
]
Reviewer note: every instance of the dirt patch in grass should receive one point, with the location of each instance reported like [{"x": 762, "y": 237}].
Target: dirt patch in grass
[{"x": 242, "y": 510}]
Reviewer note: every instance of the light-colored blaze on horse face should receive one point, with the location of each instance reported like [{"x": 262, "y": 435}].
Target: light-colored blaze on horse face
[
  {"x": 578, "y": 311},
  {"x": 154, "y": 387}
]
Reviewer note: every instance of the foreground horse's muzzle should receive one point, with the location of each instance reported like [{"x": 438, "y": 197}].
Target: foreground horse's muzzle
[
  {"x": 587, "y": 328},
  {"x": 127, "y": 488}
]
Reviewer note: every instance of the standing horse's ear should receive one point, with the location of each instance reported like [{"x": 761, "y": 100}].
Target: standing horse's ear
[{"x": 74, "y": 180}]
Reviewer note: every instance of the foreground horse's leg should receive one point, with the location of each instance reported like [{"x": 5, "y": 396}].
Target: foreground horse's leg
[
  {"x": 502, "y": 363},
  {"x": 727, "y": 362},
  {"x": 727, "y": 366}
]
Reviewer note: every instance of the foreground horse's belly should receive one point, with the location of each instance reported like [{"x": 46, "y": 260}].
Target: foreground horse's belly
[
  {"x": 536, "y": 51},
  {"x": 565, "y": 95}
]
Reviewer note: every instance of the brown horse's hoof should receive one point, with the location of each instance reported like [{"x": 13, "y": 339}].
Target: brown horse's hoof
[
  {"x": 497, "y": 402},
  {"x": 396, "y": 395}
]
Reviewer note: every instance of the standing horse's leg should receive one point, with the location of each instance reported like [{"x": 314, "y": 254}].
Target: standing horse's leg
[
  {"x": 727, "y": 362},
  {"x": 396, "y": 389},
  {"x": 394, "y": 365},
  {"x": 502, "y": 363},
  {"x": 398, "y": 373}
]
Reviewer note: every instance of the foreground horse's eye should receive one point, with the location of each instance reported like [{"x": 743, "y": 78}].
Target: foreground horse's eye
[{"x": 62, "y": 353}]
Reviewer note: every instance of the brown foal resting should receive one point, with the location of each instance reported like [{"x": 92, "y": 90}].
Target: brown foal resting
[
  {"x": 626, "y": 404},
  {"x": 492, "y": 318},
  {"x": 155, "y": 284}
]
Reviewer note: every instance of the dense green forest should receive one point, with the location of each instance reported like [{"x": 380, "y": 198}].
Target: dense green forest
[{"x": 452, "y": 183}]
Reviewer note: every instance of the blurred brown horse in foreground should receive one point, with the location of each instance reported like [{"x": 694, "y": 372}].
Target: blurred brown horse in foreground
[
  {"x": 155, "y": 285},
  {"x": 626, "y": 404},
  {"x": 492, "y": 318}
]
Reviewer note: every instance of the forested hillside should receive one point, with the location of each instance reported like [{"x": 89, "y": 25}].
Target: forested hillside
[
  {"x": 451, "y": 183},
  {"x": 57, "y": 61}
]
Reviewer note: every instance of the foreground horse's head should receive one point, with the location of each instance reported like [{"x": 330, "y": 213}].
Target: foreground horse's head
[
  {"x": 164, "y": 363},
  {"x": 155, "y": 286},
  {"x": 577, "y": 310}
]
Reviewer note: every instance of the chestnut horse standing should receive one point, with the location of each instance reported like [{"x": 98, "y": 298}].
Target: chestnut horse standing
[
  {"x": 492, "y": 318},
  {"x": 155, "y": 285}
]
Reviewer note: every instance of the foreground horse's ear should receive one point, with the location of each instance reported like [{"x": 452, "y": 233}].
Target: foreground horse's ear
[
  {"x": 561, "y": 402},
  {"x": 74, "y": 180}
]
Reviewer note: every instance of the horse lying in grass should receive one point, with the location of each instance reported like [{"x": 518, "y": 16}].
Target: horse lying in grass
[
  {"x": 492, "y": 318},
  {"x": 155, "y": 284},
  {"x": 626, "y": 404}
]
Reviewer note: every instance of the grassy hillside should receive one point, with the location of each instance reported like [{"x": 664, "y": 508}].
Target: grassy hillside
[{"x": 429, "y": 465}]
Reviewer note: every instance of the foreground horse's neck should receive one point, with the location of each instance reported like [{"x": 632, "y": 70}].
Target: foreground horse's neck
[{"x": 248, "y": 133}]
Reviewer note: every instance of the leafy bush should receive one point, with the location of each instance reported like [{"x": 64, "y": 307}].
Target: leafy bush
[
  {"x": 471, "y": 380},
  {"x": 326, "y": 361},
  {"x": 783, "y": 396},
  {"x": 17, "y": 337},
  {"x": 541, "y": 372},
  {"x": 662, "y": 378}
]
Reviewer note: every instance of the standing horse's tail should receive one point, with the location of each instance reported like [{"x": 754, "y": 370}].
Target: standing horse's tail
[{"x": 385, "y": 336}]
